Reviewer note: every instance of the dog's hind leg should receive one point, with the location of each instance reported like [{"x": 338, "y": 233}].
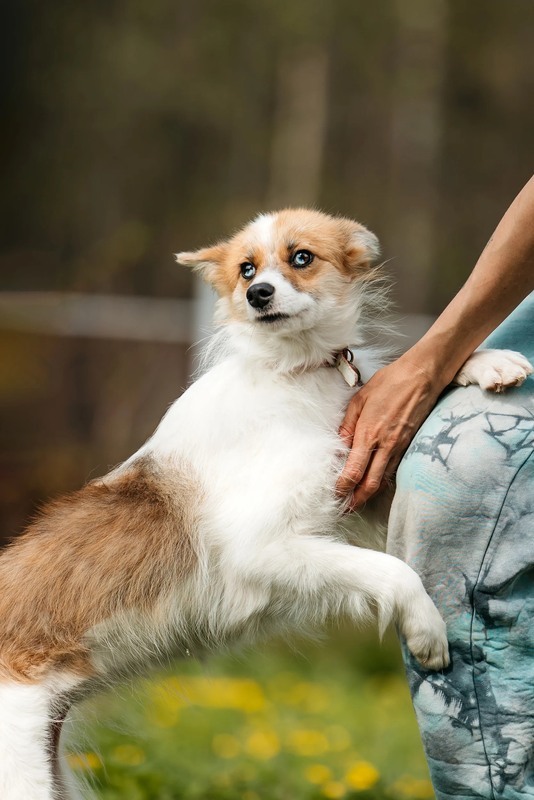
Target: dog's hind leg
[
  {"x": 26, "y": 743},
  {"x": 64, "y": 784}
]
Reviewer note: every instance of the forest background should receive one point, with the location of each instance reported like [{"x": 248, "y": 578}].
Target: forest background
[{"x": 136, "y": 128}]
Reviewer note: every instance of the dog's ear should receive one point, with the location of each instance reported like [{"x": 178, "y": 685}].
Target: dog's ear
[
  {"x": 362, "y": 249},
  {"x": 205, "y": 261}
]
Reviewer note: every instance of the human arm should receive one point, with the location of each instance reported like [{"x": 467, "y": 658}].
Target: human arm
[{"x": 383, "y": 417}]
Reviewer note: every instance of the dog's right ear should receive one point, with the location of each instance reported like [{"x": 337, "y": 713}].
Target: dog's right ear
[{"x": 205, "y": 261}]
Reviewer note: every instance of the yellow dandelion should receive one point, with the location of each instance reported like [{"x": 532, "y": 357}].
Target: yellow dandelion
[
  {"x": 84, "y": 761},
  {"x": 250, "y": 796},
  {"x": 308, "y": 742},
  {"x": 129, "y": 754},
  {"x": 263, "y": 744},
  {"x": 334, "y": 789},
  {"x": 414, "y": 788},
  {"x": 243, "y": 694},
  {"x": 362, "y": 775},
  {"x": 225, "y": 746},
  {"x": 169, "y": 692},
  {"x": 166, "y": 701},
  {"x": 317, "y": 774}
]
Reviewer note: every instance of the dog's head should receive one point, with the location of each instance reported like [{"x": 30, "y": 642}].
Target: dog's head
[{"x": 296, "y": 274}]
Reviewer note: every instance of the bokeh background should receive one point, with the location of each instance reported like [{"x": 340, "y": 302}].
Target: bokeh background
[{"x": 136, "y": 128}]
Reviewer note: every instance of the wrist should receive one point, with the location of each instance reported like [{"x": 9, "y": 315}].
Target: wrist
[{"x": 432, "y": 364}]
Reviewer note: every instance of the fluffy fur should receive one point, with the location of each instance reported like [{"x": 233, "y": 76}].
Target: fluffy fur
[{"x": 224, "y": 526}]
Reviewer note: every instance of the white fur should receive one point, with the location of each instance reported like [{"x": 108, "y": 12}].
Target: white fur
[
  {"x": 29, "y": 768},
  {"x": 263, "y": 228},
  {"x": 24, "y": 730},
  {"x": 286, "y": 300},
  {"x": 495, "y": 370}
]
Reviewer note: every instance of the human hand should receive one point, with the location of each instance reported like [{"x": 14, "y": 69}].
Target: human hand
[{"x": 380, "y": 422}]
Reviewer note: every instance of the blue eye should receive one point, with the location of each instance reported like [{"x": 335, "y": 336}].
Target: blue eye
[
  {"x": 248, "y": 270},
  {"x": 302, "y": 258}
]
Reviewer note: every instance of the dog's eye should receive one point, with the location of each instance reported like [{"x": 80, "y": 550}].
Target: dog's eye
[
  {"x": 302, "y": 258},
  {"x": 248, "y": 270}
]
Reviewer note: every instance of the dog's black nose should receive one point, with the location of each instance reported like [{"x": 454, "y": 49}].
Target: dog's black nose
[{"x": 259, "y": 295}]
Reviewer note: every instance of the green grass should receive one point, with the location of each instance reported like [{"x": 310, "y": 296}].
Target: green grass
[{"x": 332, "y": 721}]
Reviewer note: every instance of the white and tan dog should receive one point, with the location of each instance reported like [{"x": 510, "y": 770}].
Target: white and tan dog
[{"x": 224, "y": 526}]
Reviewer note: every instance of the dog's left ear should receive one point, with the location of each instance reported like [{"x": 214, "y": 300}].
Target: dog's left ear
[
  {"x": 362, "y": 248},
  {"x": 205, "y": 261}
]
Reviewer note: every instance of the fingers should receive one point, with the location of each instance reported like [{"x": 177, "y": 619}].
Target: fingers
[
  {"x": 352, "y": 414},
  {"x": 354, "y": 470},
  {"x": 372, "y": 480},
  {"x": 380, "y": 473}
]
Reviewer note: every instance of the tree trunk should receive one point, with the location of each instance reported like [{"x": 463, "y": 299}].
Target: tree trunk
[{"x": 417, "y": 96}]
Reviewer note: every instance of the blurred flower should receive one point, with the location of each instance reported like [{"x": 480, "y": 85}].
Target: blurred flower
[
  {"x": 362, "y": 775},
  {"x": 308, "y": 742},
  {"x": 129, "y": 754},
  {"x": 334, "y": 789},
  {"x": 172, "y": 694},
  {"x": 263, "y": 744},
  {"x": 84, "y": 761},
  {"x": 225, "y": 746},
  {"x": 317, "y": 773},
  {"x": 166, "y": 701},
  {"x": 240, "y": 693}
]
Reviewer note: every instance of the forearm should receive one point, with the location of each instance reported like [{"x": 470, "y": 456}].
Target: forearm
[
  {"x": 502, "y": 277},
  {"x": 384, "y": 415}
]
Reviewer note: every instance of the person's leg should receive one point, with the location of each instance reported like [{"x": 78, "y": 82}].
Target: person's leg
[{"x": 463, "y": 517}]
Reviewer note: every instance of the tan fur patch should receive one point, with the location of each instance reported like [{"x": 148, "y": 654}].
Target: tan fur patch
[
  {"x": 119, "y": 543},
  {"x": 335, "y": 242}
]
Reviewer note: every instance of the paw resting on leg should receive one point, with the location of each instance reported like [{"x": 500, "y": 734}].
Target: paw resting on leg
[
  {"x": 426, "y": 633},
  {"x": 494, "y": 370}
]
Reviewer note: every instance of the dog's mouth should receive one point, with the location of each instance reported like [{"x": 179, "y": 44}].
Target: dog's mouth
[{"x": 269, "y": 318}]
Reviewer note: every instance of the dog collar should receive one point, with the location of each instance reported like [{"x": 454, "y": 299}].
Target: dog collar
[{"x": 344, "y": 363}]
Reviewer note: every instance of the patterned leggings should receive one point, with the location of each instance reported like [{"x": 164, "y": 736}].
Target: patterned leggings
[{"x": 463, "y": 518}]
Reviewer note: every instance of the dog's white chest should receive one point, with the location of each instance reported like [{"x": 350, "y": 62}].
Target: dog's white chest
[{"x": 265, "y": 448}]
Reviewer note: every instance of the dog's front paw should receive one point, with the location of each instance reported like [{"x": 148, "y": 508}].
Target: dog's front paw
[
  {"x": 426, "y": 634},
  {"x": 494, "y": 370}
]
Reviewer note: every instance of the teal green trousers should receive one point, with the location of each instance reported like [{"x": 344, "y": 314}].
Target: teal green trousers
[{"x": 463, "y": 518}]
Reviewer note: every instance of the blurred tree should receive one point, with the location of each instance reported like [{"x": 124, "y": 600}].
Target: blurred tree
[{"x": 416, "y": 107}]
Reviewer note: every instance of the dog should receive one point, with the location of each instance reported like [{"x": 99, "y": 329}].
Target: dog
[{"x": 224, "y": 526}]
